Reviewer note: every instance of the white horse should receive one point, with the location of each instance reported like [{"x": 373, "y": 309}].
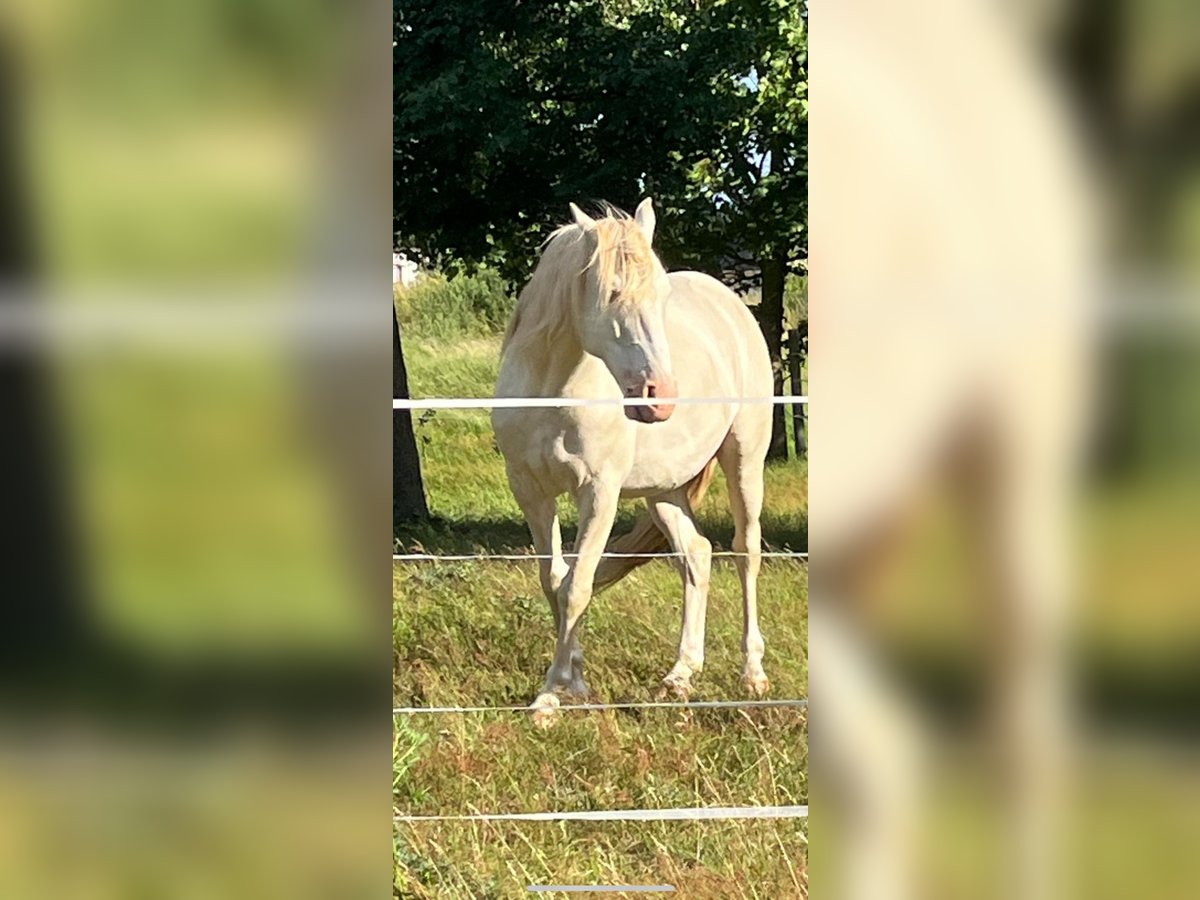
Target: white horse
[
  {"x": 600, "y": 318},
  {"x": 953, "y": 252}
]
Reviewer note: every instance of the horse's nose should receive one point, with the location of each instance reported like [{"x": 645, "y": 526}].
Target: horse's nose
[{"x": 662, "y": 388}]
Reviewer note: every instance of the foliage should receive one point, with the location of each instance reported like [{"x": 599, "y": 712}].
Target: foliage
[
  {"x": 462, "y": 305},
  {"x": 505, "y": 112},
  {"x": 747, "y": 198},
  {"x": 795, "y": 301}
]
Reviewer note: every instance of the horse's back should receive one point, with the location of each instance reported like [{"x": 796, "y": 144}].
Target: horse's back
[{"x": 710, "y": 314}]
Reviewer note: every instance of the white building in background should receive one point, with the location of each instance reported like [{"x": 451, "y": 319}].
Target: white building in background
[{"x": 404, "y": 271}]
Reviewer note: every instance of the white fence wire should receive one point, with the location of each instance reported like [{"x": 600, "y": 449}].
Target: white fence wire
[
  {"x": 672, "y": 814},
  {"x": 436, "y": 403},
  {"x": 627, "y": 705},
  {"x": 522, "y": 557}
]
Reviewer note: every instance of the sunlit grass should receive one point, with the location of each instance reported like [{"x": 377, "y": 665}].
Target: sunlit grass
[{"x": 480, "y": 633}]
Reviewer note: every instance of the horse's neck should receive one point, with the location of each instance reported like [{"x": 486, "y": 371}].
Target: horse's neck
[
  {"x": 550, "y": 365},
  {"x": 553, "y": 358},
  {"x": 547, "y": 356}
]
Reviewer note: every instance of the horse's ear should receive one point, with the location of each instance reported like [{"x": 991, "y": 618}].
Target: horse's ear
[
  {"x": 582, "y": 219},
  {"x": 644, "y": 216}
]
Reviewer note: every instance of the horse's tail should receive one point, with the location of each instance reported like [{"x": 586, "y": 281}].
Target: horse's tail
[{"x": 645, "y": 536}]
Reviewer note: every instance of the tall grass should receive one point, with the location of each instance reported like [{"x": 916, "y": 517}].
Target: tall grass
[
  {"x": 481, "y": 633},
  {"x": 445, "y": 308}
]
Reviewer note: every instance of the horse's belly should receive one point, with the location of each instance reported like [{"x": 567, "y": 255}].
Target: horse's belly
[{"x": 669, "y": 454}]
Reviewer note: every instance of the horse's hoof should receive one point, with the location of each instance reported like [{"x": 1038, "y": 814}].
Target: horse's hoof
[
  {"x": 756, "y": 685},
  {"x": 545, "y": 710},
  {"x": 674, "y": 689}
]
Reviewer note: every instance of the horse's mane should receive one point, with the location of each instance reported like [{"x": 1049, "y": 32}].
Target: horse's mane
[{"x": 622, "y": 261}]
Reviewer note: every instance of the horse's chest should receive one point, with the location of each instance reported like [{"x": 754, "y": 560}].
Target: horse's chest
[
  {"x": 559, "y": 455},
  {"x": 583, "y": 451}
]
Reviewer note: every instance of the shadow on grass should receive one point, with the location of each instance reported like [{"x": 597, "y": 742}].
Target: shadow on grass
[
  {"x": 1156, "y": 691},
  {"x": 495, "y": 535},
  {"x": 130, "y": 688}
]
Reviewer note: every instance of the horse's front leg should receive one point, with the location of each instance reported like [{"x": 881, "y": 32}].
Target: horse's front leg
[
  {"x": 597, "y": 511},
  {"x": 542, "y": 517}
]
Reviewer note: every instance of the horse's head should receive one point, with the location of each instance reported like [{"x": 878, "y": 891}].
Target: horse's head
[{"x": 622, "y": 320}]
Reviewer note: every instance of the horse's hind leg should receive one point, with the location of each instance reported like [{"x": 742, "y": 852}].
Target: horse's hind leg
[
  {"x": 743, "y": 467},
  {"x": 674, "y": 516},
  {"x": 869, "y": 743},
  {"x": 1027, "y": 497}
]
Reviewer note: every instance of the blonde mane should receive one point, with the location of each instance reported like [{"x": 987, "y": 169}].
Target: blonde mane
[{"x": 623, "y": 263}]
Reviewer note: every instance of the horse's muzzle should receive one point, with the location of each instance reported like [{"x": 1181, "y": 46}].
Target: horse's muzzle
[{"x": 662, "y": 388}]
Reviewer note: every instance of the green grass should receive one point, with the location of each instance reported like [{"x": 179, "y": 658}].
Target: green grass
[
  {"x": 450, "y": 308},
  {"x": 480, "y": 633}
]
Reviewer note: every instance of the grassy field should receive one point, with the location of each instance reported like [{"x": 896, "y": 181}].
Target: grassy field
[{"x": 480, "y": 633}]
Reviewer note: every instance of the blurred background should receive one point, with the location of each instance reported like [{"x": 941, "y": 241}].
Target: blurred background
[
  {"x": 194, "y": 503},
  {"x": 194, "y": 481},
  {"x": 1016, "y": 183}
]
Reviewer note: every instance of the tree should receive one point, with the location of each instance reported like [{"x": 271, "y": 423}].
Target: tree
[
  {"x": 746, "y": 201},
  {"x": 408, "y": 488},
  {"x": 503, "y": 113},
  {"x": 44, "y": 620}
]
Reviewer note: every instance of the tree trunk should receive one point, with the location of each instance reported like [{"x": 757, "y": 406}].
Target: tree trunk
[
  {"x": 44, "y": 619},
  {"x": 408, "y": 489},
  {"x": 770, "y": 319},
  {"x": 796, "y": 369}
]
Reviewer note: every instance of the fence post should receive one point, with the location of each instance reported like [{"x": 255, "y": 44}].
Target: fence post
[{"x": 796, "y": 342}]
